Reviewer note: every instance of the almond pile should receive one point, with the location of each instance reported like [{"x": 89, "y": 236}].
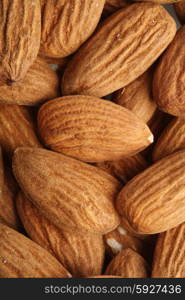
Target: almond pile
[{"x": 92, "y": 139}]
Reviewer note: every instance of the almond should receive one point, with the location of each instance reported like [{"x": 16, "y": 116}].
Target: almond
[
  {"x": 169, "y": 254},
  {"x": 128, "y": 264},
  {"x": 81, "y": 254},
  {"x": 154, "y": 200},
  {"x": 112, "y": 6},
  {"x": 68, "y": 192},
  {"x": 39, "y": 84},
  {"x": 67, "y": 24},
  {"x": 121, "y": 50},
  {"x": 20, "y": 257},
  {"x": 20, "y": 30},
  {"x": 180, "y": 11},
  {"x": 91, "y": 129}
]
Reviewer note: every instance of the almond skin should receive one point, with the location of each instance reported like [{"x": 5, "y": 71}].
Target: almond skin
[
  {"x": 67, "y": 24},
  {"x": 68, "y": 192},
  {"x": 39, "y": 84},
  {"x": 128, "y": 264},
  {"x": 20, "y": 30},
  {"x": 112, "y": 6},
  {"x": 169, "y": 254},
  {"x": 20, "y": 257},
  {"x": 81, "y": 254},
  {"x": 91, "y": 129},
  {"x": 169, "y": 77},
  {"x": 180, "y": 11},
  {"x": 153, "y": 201},
  {"x": 113, "y": 57}
]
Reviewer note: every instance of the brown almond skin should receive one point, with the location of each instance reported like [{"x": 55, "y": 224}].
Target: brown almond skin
[
  {"x": 20, "y": 257},
  {"x": 180, "y": 11},
  {"x": 153, "y": 201},
  {"x": 113, "y": 57},
  {"x": 137, "y": 96},
  {"x": 169, "y": 254},
  {"x": 17, "y": 128},
  {"x": 159, "y": 1},
  {"x": 169, "y": 77},
  {"x": 81, "y": 254},
  {"x": 39, "y": 84},
  {"x": 91, "y": 129},
  {"x": 67, "y": 24},
  {"x": 68, "y": 192},
  {"x": 128, "y": 264},
  {"x": 20, "y": 30},
  {"x": 112, "y": 6}
]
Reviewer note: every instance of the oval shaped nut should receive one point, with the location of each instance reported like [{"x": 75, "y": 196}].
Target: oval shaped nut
[
  {"x": 180, "y": 11},
  {"x": 91, "y": 129},
  {"x": 171, "y": 140},
  {"x": 169, "y": 77},
  {"x": 154, "y": 200},
  {"x": 128, "y": 264},
  {"x": 137, "y": 96},
  {"x": 20, "y": 30},
  {"x": 68, "y": 192},
  {"x": 67, "y": 24},
  {"x": 121, "y": 50},
  {"x": 39, "y": 84},
  {"x": 81, "y": 254},
  {"x": 169, "y": 254},
  {"x": 20, "y": 257}
]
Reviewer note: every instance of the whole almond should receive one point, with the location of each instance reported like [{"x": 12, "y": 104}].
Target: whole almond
[
  {"x": 81, "y": 254},
  {"x": 153, "y": 201},
  {"x": 169, "y": 77},
  {"x": 39, "y": 84},
  {"x": 20, "y": 30},
  {"x": 128, "y": 264},
  {"x": 91, "y": 129},
  {"x": 180, "y": 11},
  {"x": 67, "y": 24},
  {"x": 20, "y": 257},
  {"x": 169, "y": 254},
  {"x": 121, "y": 50},
  {"x": 68, "y": 192}
]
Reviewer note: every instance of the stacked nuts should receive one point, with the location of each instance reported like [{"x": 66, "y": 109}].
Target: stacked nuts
[{"x": 90, "y": 185}]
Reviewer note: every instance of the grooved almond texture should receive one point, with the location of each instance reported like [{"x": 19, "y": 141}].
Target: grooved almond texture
[
  {"x": 169, "y": 254},
  {"x": 91, "y": 129},
  {"x": 128, "y": 264},
  {"x": 180, "y": 11},
  {"x": 66, "y": 24},
  {"x": 137, "y": 96},
  {"x": 154, "y": 201},
  {"x": 20, "y": 29},
  {"x": 69, "y": 192},
  {"x": 169, "y": 77},
  {"x": 81, "y": 254},
  {"x": 39, "y": 84},
  {"x": 16, "y": 128},
  {"x": 20, "y": 257},
  {"x": 112, "y": 6},
  {"x": 121, "y": 50}
]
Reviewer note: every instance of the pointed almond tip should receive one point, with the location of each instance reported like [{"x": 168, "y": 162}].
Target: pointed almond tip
[{"x": 151, "y": 138}]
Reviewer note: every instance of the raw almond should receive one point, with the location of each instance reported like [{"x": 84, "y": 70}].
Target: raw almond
[
  {"x": 121, "y": 50},
  {"x": 20, "y": 257},
  {"x": 81, "y": 254},
  {"x": 68, "y": 192},
  {"x": 67, "y": 24},
  {"x": 20, "y": 30},
  {"x": 91, "y": 129},
  {"x": 112, "y": 6},
  {"x": 154, "y": 200},
  {"x": 180, "y": 11}
]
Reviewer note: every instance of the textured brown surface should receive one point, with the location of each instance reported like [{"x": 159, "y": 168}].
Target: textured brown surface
[
  {"x": 69, "y": 192},
  {"x": 120, "y": 51},
  {"x": 91, "y": 129},
  {"x": 169, "y": 77},
  {"x": 20, "y": 257},
  {"x": 81, "y": 254},
  {"x": 159, "y": 1},
  {"x": 169, "y": 254},
  {"x": 39, "y": 84},
  {"x": 112, "y": 6},
  {"x": 20, "y": 29},
  {"x": 66, "y": 24},
  {"x": 128, "y": 264},
  {"x": 180, "y": 11},
  {"x": 137, "y": 96},
  {"x": 154, "y": 201}
]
